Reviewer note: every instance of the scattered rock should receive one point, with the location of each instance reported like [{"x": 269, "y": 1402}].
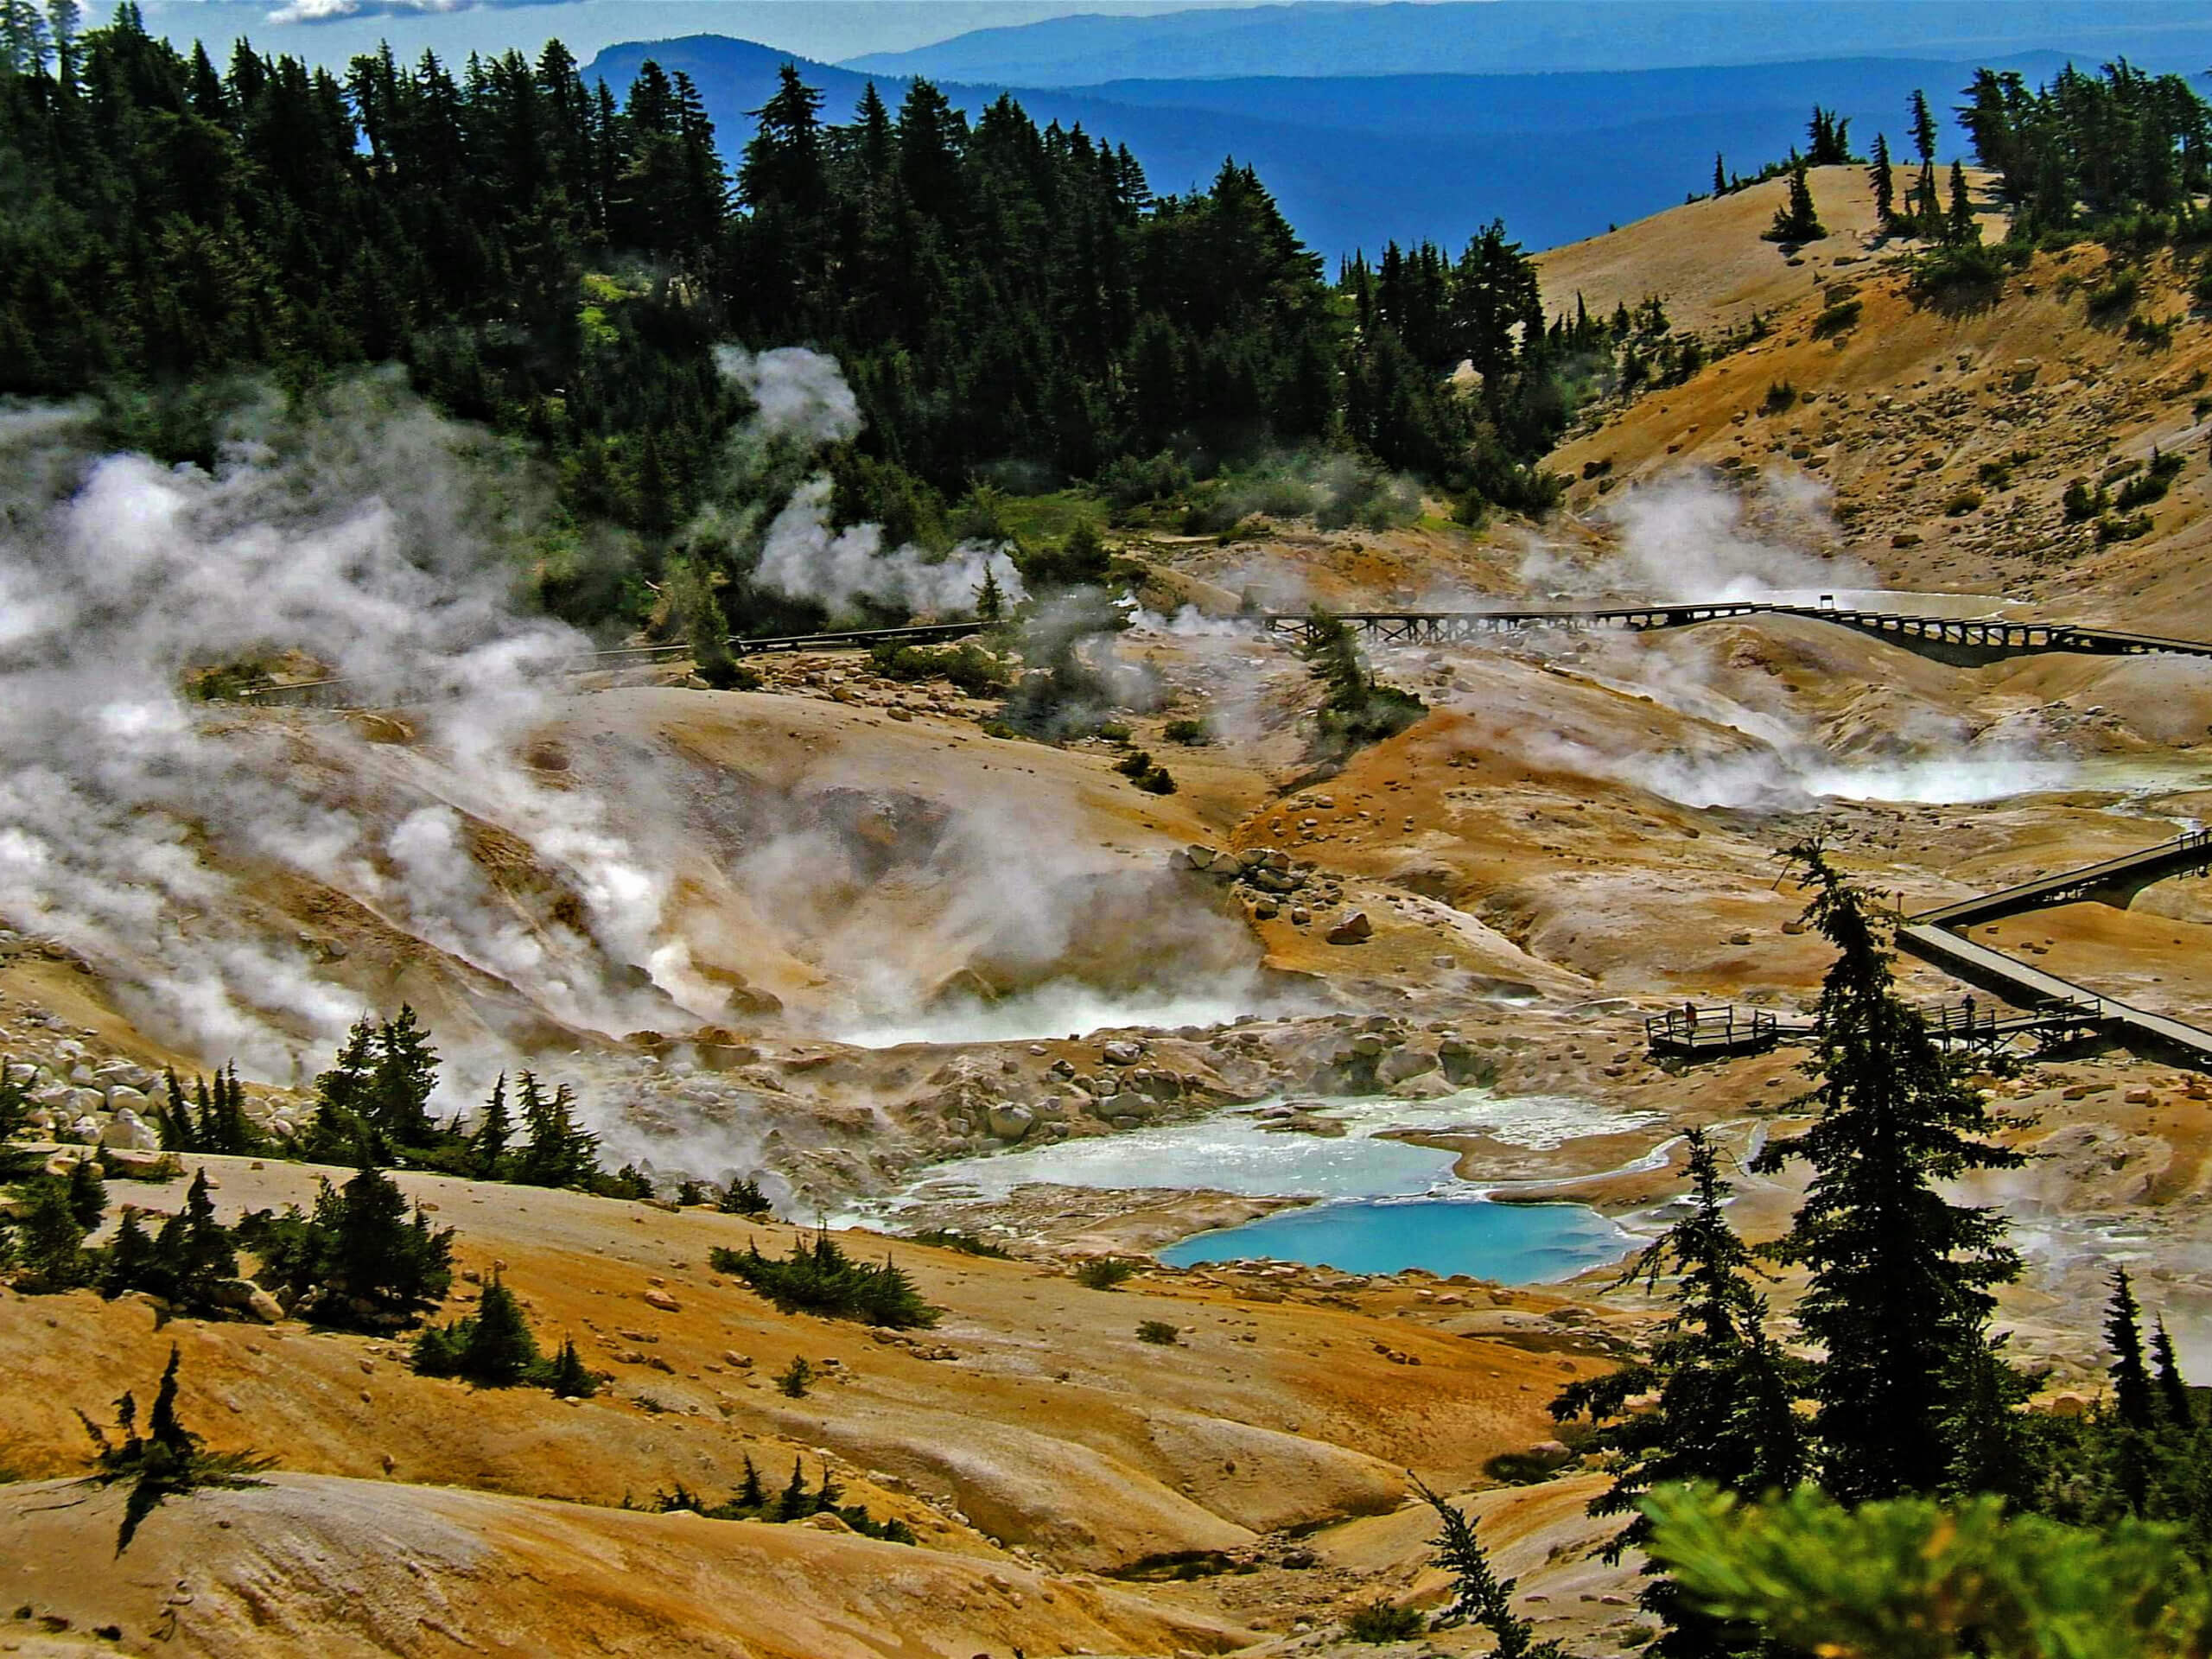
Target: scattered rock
[{"x": 1355, "y": 929}]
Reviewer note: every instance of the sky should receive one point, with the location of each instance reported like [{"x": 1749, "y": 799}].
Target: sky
[{"x": 331, "y": 31}]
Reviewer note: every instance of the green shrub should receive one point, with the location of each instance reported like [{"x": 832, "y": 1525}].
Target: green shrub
[
  {"x": 1998, "y": 474},
  {"x": 2112, "y": 527},
  {"x": 1381, "y": 1620},
  {"x": 2151, "y": 483},
  {"x": 1159, "y": 1331},
  {"x": 819, "y": 1278},
  {"x": 1836, "y": 318},
  {"x": 2155, "y": 334},
  {"x": 751, "y": 1501},
  {"x": 1147, "y": 774},
  {"x": 2082, "y": 504},
  {"x": 1105, "y": 1271},
  {"x": 948, "y": 1238},
  {"x": 969, "y": 667},
  {"x": 1963, "y": 502},
  {"x": 1187, "y": 731},
  {"x": 1781, "y": 395},
  {"x": 1966, "y": 273},
  {"x": 745, "y": 1197},
  {"x": 797, "y": 1378},
  {"x": 2114, "y": 298}
]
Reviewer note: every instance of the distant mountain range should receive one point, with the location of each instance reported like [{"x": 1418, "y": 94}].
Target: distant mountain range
[
  {"x": 1358, "y": 161},
  {"x": 1518, "y": 36}
]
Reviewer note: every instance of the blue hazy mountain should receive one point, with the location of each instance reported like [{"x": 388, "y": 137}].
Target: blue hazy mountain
[
  {"x": 1357, "y": 161},
  {"x": 1508, "y": 36}
]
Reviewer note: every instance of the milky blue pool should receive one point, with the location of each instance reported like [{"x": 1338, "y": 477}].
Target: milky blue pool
[{"x": 1513, "y": 1243}]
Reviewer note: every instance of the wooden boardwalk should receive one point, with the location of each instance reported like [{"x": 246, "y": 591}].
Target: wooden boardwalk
[
  {"x": 1930, "y": 936},
  {"x": 1955, "y": 639}
]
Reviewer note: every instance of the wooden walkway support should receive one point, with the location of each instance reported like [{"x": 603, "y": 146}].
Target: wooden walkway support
[
  {"x": 1930, "y": 935},
  {"x": 1970, "y": 641}
]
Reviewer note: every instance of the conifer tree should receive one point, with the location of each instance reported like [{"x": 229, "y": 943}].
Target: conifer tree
[
  {"x": 567, "y": 1376},
  {"x": 1900, "y": 1277},
  {"x": 1720, "y": 176},
  {"x": 498, "y": 1350},
  {"x": 793, "y": 1505},
  {"x": 558, "y": 1152},
  {"x": 487, "y": 1148},
  {"x": 1881, "y": 178},
  {"x": 1923, "y": 127},
  {"x": 752, "y": 1495},
  {"x": 192, "y": 1251},
  {"x": 361, "y": 1261},
  {"x": 2174, "y": 1398},
  {"x": 2131, "y": 1379},
  {"x": 1959, "y": 226},
  {"x": 1726, "y": 1412},
  {"x": 1477, "y": 1593},
  {"x": 990, "y": 600},
  {"x": 1795, "y": 220},
  {"x": 87, "y": 1194},
  {"x": 49, "y": 1243},
  {"x": 174, "y": 1121},
  {"x": 128, "y": 1261}
]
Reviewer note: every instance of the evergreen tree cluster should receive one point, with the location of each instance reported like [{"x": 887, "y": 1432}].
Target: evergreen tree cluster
[
  {"x": 495, "y": 1348},
  {"x": 795, "y": 1502},
  {"x": 819, "y": 1277},
  {"x": 559, "y": 261},
  {"x": 1911, "y": 1397},
  {"x": 2086, "y": 150},
  {"x": 358, "y": 1260},
  {"x": 214, "y": 1120}
]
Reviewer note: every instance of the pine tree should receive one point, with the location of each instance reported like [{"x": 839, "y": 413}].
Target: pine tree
[
  {"x": 558, "y": 1152},
  {"x": 1923, "y": 127},
  {"x": 752, "y": 1495},
  {"x": 498, "y": 1350},
  {"x": 87, "y": 1194},
  {"x": 1478, "y": 1592},
  {"x": 567, "y": 1377},
  {"x": 361, "y": 1261},
  {"x": 193, "y": 1252},
  {"x": 174, "y": 1121},
  {"x": 1881, "y": 179},
  {"x": 129, "y": 1263},
  {"x": 2174, "y": 1398},
  {"x": 1720, "y": 176},
  {"x": 1960, "y": 229},
  {"x": 1795, "y": 221},
  {"x": 1899, "y": 1293},
  {"x": 49, "y": 1243},
  {"x": 1726, "y": 1412},
  {"x": 487, "y": 1148},
  {"x": 794, "y": 1503},
  {"x": 990, "y": 601},
  {"x": 2132, "y": 1401}
]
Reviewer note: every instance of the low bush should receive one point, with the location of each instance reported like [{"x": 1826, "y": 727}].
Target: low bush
[
  {"x": 2114, "y": 298},
  {"x": 2080, "y": 503},
  {"x": 1147, "y": 774},
  {"x": 819, "y": 1278},
  {"x": 751, "y": 1501},
  {"x": 1963, "y": 502},
  {"x": 970, "y": 669},
  {"x": 948, "y": 1238},
  {"x": 1781, "y": 395},
  {"x": 1187, "y": 731},
  {"x": 1837, "y": 318},
  {"x": 2151, "y": 483},
  {"x": 1159, "y": 1331},
  {"x": 1105, "y": 1271},
  {"x": 1381, "y": 1621}
]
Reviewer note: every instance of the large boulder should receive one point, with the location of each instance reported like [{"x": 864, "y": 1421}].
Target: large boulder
[
  {"x": 126, "y": 1128},
  {"x": 1010, "y": 1122},
  {"x": 1355, "y": 929}
]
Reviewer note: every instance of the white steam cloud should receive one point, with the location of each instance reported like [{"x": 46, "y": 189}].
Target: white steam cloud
[
  {"x": 803, "y": 405},
  {"x": 1688, "y": 537},
  {"x": 145, "y": 830}
]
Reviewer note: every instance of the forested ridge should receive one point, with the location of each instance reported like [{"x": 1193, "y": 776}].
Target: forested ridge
[{"x": 557, "y": 261}]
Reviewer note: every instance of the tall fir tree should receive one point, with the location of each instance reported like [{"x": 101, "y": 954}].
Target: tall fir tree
[{"x": 1900, "y": 1277}]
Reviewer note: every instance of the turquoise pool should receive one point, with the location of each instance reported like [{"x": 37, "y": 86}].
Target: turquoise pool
[{"x": 1513, "y": 1243}]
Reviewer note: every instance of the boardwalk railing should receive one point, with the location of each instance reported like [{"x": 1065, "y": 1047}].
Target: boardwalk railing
[{"x": 1978, "y": 637}]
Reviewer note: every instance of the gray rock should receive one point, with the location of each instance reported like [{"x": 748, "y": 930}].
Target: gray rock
[
  {"x": 1121, "y": 1053},
  {"x": 1011, "y": 1122},
  {"x": 126, "y": 1128}
]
